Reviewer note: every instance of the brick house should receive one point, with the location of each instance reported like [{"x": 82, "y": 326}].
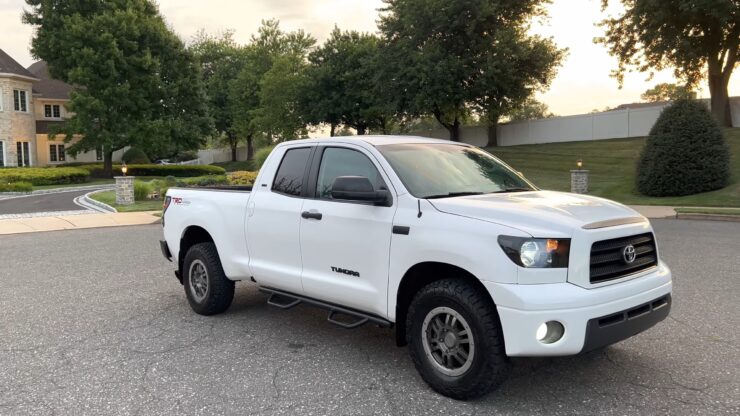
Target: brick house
[{"x": 30, "y": 104}]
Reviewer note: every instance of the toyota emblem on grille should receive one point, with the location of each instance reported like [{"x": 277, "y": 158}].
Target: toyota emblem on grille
[{"x": 628, "y": 254}]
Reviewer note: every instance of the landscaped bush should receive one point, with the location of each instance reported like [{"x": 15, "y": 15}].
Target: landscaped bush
[
  {"x": 44, "y": 176},
  {"x": 180, "y": 171},
  {"x": 261, "y": 156},
  {"x": 242, "y": 178},
  {"x": 185, "y": 156},
  {"x": 142, "y": 190},
  {"x": 16, "y": 187},
  {"x": 685, "y": 153},
  {"x": 210, "y": 180},
  {"x": 135, "y": 156}
]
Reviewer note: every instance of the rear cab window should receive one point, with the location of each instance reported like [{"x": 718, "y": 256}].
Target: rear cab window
[{"x": 291, "y": 173}]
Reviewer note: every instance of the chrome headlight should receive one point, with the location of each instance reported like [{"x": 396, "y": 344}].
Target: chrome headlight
[{"x": 536, "y": 252}]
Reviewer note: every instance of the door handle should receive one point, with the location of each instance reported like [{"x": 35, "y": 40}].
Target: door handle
[{"x": 311, "y": 215}]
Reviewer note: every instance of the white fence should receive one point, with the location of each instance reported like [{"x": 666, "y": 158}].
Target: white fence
[
  {"x": 209, "y": 156},
  {"x": 614, "y": 124}
]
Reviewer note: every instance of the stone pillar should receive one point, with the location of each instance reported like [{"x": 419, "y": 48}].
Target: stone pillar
[
  {"x": 124, "y": 190},
  {"x": 579, "y": 181}
]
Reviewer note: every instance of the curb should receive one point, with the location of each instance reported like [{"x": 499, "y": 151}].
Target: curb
[
  {"x": 9, "y": 195},
  {"x": 86, "y": 202},
  {"x": 709, "y": 217}
]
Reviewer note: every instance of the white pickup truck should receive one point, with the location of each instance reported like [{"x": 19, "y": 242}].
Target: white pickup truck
[{"x": 467, "y": 260}]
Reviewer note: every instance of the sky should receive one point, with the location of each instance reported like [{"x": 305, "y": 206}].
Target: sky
[{"x": 583, "y": 82}]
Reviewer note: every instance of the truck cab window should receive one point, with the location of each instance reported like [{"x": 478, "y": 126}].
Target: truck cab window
[
  {"x": 290, "y": 174},
  {"x": 337, "y": 162}
]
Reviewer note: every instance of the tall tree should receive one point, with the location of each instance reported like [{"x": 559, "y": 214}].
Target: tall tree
[
  {"x": 530, "y": 109},
  {"x": 137, "y": 85},
  {"x": 668, "y": 92},
  {"x": 220, "y": 59},
  {"x": 695, "y": 38},
  {"x": 455, "y": 58}
]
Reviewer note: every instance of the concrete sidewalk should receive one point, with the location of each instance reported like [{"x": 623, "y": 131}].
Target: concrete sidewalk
[
  {"x": 68, "y": 222},
  {"x": 655, "y": 211}
]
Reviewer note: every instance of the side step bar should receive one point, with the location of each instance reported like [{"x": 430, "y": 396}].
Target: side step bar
[{"x": 286, "y": 300}]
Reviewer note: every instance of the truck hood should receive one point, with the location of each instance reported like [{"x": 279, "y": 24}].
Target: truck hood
[{"x": 538, "y": 213}]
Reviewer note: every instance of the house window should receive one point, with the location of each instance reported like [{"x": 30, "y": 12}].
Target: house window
[
  {"x": 2, "y": 154},
  {"x": 99, "y": 153},
  {"x": 56, "y": 153},
  {"x": 20, "y": 100},
  {"x": 24, "y": 154},
  {"x": 52, "y": 111},
  {"x": 1, "y": 102}
]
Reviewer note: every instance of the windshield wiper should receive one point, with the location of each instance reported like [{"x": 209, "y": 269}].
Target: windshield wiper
[
  {"x": 453, "y": 194},
  {"x": 513, "y": 189}
]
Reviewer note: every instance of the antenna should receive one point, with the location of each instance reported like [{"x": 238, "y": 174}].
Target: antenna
[{"x": 418, "y": 201}]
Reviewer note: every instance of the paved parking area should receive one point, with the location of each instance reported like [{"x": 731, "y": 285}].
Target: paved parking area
[
  {"x": 44, "y": 203},
  {"x": 94, "y": 322}
]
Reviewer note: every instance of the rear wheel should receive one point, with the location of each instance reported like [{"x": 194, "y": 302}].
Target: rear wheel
[
  {"x": 455, "y": 339},
  {"x": 207, "y": 288}
]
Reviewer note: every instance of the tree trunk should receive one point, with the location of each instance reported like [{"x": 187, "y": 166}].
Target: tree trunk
[
  {"x": 720, "y": 99},
  {"x": 233, "y": 143},
  {"x": 492, "y": 132},
  {"x": 361, "y": 130},
  {"x": 333, "y": 129},
  {"x": 250, "y": 147},
  {"x": 107, "y": 162},
  {"x": 454, "y": 130}
]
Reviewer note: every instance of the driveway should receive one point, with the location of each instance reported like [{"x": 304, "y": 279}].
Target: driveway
[
  {"x": 94, "y": 322},
  {"x": 56, "y": 202}
]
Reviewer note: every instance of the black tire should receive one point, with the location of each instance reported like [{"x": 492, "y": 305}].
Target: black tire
[
  {"x": 489, "y": 365},
  {"x": 219, "y": 292}
]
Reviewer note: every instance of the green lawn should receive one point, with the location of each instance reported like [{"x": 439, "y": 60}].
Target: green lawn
[
  {"x": 109, "y": 197},
  {"x": 612, "y": 165},
  {"x": 234, "y": 166}
]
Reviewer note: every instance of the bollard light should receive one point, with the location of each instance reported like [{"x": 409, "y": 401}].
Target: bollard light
[
  {"x": 579, "y": 163},
  {"x": 124, "y": 168}
]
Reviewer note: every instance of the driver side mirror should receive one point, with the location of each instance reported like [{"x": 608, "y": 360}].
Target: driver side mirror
[{"x": 360, "y": 189}]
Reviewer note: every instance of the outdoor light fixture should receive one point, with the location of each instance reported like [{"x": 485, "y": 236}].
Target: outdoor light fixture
[
  {"x": 124, "y": 168},
  {"x": 579, "y": 163}
]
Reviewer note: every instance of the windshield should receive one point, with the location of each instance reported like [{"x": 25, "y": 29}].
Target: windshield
[{"x": 430, "y": 170}]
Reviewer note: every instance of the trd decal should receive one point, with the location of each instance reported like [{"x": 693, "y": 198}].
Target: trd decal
[{"x": 345, "y": 271}]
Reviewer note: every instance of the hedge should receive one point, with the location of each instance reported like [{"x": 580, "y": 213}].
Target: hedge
[
  {"x": 16, "y": 187},
  {"x": 44, "y": 176},
  {"x": 242, "y": 178},
  {"x": 178, "y": 171},
  {"x": 135, "y": 155},
  {"x": 685, "y": 153}
]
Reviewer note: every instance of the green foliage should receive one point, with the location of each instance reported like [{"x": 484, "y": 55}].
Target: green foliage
[
  {"x": 210, "y": 180},
  {"x": 530, "y": 109},
  {"x": 16, "y": 187},
  {"x": 668, "y": 92},
  {"x": 185, "y": 156},
  {"x": 242, "y": 178},
  {"x": 138, "y": 85},
  {"x": 685, "y": 153},
  {"x": 179, "y": 171},
  {"x": 142, "y": 190},
  {"x": 261, "y": 156},
  {"x": 44, "y": 176},
  {"x": 135, "y": 155},
  {"x": 694, "y": 38},
  {"x": 448, "y": 59}
]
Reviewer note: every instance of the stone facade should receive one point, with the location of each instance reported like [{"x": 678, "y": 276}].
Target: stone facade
[
  {"x": 16, "y": 126},
  {"x": 124, "y": 190},
  {"x": 579, "y": 181}
]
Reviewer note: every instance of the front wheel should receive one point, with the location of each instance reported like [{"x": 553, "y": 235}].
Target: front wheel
[
  {"x": 455, "y": 339},
  {"x": 207, "y": 288}
]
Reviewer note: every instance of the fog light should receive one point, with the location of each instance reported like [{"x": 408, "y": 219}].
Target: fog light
[{"x": 550, "y": 332}]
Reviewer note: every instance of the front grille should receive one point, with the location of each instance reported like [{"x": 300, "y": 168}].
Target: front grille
[{"x": 608, "y": 257}]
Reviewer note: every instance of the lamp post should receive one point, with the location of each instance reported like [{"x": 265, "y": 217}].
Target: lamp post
[
  {"x": 124, "y": 187},
  {"x": 579, "y": 179}
]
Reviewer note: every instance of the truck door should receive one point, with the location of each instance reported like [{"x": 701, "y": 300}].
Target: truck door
[
  {"x": 273, "y": 221},
  {"x": 346, "y": 245}
]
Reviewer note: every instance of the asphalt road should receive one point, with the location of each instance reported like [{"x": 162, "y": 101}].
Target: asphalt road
[
  {"x": 63, "y": 201},
  {"x": 94, "y": 322}
]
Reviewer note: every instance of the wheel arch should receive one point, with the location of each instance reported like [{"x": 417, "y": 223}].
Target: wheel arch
[
  {"x": 191, "y": 236},
  {"x": 420, "y": 275}
]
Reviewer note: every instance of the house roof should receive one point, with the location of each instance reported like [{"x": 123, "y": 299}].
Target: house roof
[
  {"x": 47, "y": 87},
  {"x": 9, "y": 65}
]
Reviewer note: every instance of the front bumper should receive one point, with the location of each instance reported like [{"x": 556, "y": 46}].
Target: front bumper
[{"x": 589, "y": 316}]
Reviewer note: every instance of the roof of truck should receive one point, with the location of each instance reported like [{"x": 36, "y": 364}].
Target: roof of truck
[{"x": 376, "y": 140}]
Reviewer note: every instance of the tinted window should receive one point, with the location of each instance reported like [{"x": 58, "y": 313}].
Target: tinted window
[
  {"x": 289, "y": 177},
  {"x": 338, "y": 162}
]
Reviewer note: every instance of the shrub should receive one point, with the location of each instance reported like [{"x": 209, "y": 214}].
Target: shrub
[
  {"x": 242, "y": 178},
  {"x": 135, "y": 156},
  {"x": 211, "y": 180},
  {"x": 44, "y": 176},
  {"x": 180, "y": 171},
  {"x": 261, "y": 156},
  {"x": 685, "y": 153},
  {"x": 16, "y": 187},
  {"x": 142, "y": 190},
  {"x": 184, "y": 156}
]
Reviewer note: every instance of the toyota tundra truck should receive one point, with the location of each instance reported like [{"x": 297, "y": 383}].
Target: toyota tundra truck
[{"x": 467, "y": 261}]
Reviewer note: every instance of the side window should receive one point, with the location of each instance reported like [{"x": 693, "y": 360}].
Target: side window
[
  {"x": 337, "y": 162},
  {"x": 290, "y": 174}
]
